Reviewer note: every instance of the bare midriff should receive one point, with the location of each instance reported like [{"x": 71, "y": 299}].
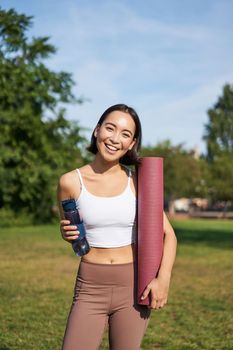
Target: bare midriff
[{"x": 119, "y": 255}]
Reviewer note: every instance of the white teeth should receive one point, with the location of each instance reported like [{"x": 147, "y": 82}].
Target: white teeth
[{"x": 112, "y": 148}]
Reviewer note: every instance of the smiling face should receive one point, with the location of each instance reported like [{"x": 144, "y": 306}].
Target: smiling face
[{"x": 115, "y": 136}]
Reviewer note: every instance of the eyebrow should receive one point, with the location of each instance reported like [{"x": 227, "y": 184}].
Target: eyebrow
[{"x": 115, "y": 126}]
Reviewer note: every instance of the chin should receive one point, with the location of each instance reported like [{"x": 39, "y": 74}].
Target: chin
[{"x": 111, "y": 157}]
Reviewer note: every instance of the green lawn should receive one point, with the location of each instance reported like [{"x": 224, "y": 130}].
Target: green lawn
[{"x": 38, "y": 271}]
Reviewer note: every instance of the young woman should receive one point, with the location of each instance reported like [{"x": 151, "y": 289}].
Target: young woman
[{"x": 105, "y": 191}]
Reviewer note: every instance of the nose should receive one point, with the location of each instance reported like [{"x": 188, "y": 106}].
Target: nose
[{"x": 115, "y": 137}]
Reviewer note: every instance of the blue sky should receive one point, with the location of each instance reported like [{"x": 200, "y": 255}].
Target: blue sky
[{"x": 167, "y": 59}]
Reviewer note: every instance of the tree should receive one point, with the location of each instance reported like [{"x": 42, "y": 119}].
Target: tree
[
  {"x": 220, "y": 181},
  {"x": 219, "y": 140},
  {"x": 219, "y": 129},
  {"x": 37, "y": 142},
  {"x": 184, "y": 175}
]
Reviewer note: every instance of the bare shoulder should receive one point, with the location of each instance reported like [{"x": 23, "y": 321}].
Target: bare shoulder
[
  {"x": 67, "y": 179},
  {"x": 69, "y": 185},
  {"x": 85, "y": 169}
]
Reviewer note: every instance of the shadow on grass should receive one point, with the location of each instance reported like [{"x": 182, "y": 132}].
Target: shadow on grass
[
  {"x": 214, "y": 238},
  {"x": 3, "y": 347}
]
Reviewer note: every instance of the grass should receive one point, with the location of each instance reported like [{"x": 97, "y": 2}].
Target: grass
[{"x": 37, "y": 277}]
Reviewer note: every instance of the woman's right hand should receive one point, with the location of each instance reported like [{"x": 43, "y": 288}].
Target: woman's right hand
[{"x": 69, "y": 232}]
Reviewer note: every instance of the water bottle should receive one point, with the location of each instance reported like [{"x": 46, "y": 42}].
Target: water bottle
[{"x": 80, "y": 245}]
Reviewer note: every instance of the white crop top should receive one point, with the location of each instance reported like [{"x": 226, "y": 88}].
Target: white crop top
[{"x": 109, "y": 221}]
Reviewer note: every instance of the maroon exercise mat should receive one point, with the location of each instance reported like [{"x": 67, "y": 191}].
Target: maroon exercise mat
[{"x": 149, "y": 222}]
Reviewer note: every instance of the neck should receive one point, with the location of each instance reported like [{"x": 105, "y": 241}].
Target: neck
[{"x": 99, "y": 165}]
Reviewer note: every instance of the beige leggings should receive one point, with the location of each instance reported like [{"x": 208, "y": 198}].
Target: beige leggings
[{"x": 105, "y": 294}]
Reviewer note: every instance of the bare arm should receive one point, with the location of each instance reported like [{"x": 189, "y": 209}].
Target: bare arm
[
  {"x": 65, "y": 190},
  {"x": 159, "y": 286},
  {"x": 169, "y": 250}
]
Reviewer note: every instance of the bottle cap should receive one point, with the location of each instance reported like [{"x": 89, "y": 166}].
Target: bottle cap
[{"x": 68, "y": 204}]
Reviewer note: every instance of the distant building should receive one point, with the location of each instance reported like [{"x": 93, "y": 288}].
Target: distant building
[
  {"x": 187, "y": 205},
  {"x": 195, "y": 152},
  {"x": 182, "y": 205}
]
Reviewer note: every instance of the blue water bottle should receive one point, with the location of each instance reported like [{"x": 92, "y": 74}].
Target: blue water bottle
[{"x": 71, "y": 213}]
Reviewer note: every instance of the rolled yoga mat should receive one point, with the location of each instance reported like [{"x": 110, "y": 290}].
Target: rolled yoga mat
[{"x": 149, "y": 222}]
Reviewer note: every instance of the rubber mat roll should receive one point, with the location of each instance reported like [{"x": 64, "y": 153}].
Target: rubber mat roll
[{"x": 149, "y": 222}]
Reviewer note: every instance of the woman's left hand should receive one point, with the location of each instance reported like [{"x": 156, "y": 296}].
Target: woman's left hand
[{"x": 158, "y": 289}]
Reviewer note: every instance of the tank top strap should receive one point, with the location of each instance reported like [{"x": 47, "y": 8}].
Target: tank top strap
[{"x": 80, "y": 178}]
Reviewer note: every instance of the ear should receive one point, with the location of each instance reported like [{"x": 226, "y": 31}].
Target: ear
[
  {"x": 132, "y": 144},
  {"x": 96, "y": 130}
]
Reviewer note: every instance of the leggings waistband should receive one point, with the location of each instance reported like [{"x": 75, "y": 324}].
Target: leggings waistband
[
  {"x": 106, "y": 274},
  {"x": 101, "y": 264}
]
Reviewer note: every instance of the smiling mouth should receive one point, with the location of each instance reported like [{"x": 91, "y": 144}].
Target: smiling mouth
[{"x": 111, "y": 148}]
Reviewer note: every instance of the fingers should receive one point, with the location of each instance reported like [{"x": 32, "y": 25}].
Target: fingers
[
  {"x": 158, "y": 303},
  {"x": 145, "y": 293},
  {"x": 158, "y": 299},
  {"x": 69, "y": 235},
  {"x": 69, "y": 232},
  {"x": 64, "y": 222}
]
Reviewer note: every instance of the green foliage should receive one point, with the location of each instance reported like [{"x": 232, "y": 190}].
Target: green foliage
[
  {"x": 210, "y": 176},
  {"x": 37, "y": 142},
  {"x": 221, "y": 178},
  {"x": 184, "y": 175},
  {"x": 219, "y": 129},
  {"x": 219, "y": 139},
  {"x": 8, "y": 218}
]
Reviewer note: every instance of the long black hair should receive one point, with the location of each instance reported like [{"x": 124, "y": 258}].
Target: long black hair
[{"x": 131, "y": 157}]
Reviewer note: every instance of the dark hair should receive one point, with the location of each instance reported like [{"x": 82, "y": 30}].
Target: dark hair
[{"x": 131, "y": 157}]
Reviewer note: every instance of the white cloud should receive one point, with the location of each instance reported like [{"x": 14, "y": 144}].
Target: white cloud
[
  {"x": 170, "y": 70},
  {"x": 182, "y": 119}
]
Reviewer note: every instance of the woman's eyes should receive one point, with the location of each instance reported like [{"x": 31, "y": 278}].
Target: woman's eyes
[
  {"x": 109, "y": 128},
  {"x": 126, "y": 135}
]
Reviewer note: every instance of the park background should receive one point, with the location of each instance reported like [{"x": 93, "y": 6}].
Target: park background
[{"x": 172, "y": 63}]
